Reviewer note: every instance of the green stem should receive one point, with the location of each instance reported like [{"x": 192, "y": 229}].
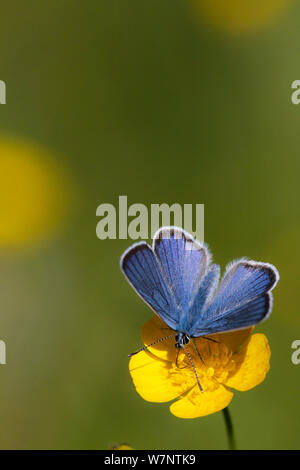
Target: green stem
[{"x": 229, "y": 429}]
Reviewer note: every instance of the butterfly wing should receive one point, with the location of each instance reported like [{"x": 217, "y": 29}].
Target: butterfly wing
[
  {"x": 167, "y": 277},
  {"x": 205, "y": 292},
  {"x": 140, "y": 266},
  {"x": 243, "y": 299},
  {"x": 183, "y": 261}
]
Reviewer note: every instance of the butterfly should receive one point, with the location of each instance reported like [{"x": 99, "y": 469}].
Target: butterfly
[{"x": 178, "y": 280}]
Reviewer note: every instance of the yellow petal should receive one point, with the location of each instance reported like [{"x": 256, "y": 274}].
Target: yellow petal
[
  {"x": 196, "y": 404},
  {"x": 252, "y": 363},
  {"x": 233, "y": 339},
  {"x": 151, "y": 377},
  {"x": 155, "y": 329}
]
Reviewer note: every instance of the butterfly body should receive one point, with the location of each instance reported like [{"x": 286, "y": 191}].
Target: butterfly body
[{"x": 181, "y": 339}]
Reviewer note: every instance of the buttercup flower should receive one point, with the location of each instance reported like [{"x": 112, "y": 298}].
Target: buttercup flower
[{"x": 236, "y": 360}]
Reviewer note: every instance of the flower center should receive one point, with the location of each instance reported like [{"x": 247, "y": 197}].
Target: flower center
[{"x": 212, "y": 361}]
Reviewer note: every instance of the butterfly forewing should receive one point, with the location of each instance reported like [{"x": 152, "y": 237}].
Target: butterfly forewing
[
  {"x": 243, "y": 299},
  {"x": 142, "y": 270}
]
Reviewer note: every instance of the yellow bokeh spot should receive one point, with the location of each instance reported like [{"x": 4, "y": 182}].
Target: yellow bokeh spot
[
  {"x": 122, "y": 447},
  {"x": 34, "y": 194},
  {"x": 239, "y": 16}
]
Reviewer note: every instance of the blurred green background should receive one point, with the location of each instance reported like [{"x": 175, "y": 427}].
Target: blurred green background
[{"x": 162, "y": 101}]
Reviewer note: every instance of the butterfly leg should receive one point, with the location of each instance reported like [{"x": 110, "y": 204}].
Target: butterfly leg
[
  {"x": 210, "y": 339},
  {"x": 178, "y": 352},
  {"x": 193, "y": 367},
  {"x": 197, "y": 351}
]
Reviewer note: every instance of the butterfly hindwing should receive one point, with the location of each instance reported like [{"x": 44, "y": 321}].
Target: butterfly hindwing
[
  {"x": 238, "y": 317},
  {"x": 183, "y": 261},
  {"x": 205, "y": 292}
]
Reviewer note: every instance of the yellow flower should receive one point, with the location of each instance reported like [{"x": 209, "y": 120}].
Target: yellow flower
[
  {"x": 236, "y": 360},
  {"x": 34, "y": 194},
  {"x": 239, "y": 16}
]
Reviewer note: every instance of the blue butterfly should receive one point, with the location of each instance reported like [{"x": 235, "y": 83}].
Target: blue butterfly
[{"x": 178, "y": 281}]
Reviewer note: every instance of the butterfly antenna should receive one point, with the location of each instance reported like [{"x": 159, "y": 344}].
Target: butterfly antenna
[
  {"x": 151, "y": 344},
  {"x": 191, "y": 361}
]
